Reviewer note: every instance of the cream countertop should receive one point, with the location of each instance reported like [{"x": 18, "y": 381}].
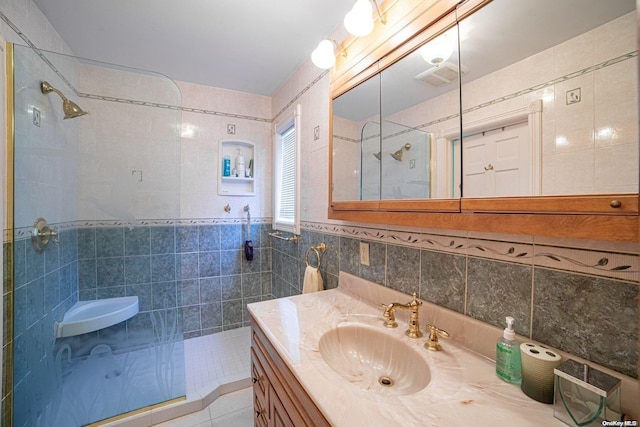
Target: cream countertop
[{"x": 463, "y": 390}]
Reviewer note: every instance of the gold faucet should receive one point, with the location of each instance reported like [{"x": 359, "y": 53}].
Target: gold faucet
[
  {"x": 412, "y": 306},
  {"x": 432, "y": 342}
]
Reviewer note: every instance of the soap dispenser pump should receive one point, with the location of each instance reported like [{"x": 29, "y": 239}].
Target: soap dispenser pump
[{"x": 508, "y": 359}]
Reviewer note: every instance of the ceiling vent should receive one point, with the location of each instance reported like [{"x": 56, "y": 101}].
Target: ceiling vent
[{"x": 441, "y": 75}]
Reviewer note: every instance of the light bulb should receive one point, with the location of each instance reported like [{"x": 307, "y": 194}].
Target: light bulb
[
  {"x": 323, "y": 56},
  {"x": 359, "y": 21}
]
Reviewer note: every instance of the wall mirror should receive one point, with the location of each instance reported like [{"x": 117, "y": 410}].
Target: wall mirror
[
  {"x": 385, "y": 130},
  {"x": 549, "y": 98},
  {"x": 545, "y": 94}
]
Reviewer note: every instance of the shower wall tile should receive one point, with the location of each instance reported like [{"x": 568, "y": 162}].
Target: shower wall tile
[
  {"x": 109, "y": 272},
  {"x": 163, "y": 267},
  {"x": 109, "y": 242},
  {"x": 265, "y": 283},
  {"x": 232, "y": 313},
  {"x": 51, "y": 258},
  {"x": 251, "y": 285},
  {"x": 111, "y": 292},
  {"x": 87, "y": 278},
  {"x": 590, "y": 317},
  {"x": 231, "y": 287},
  {"x": 187, "y": 239},
  {"x": 137, "y": 270},
  {"x": 191, "y": 319},
  {"x": 68, "y": 246},
  {"x": 19, "y": 262},
  {"x": 34, "y": 265},
  {"x": 143, "y": 292},
  {"x": 211, "y": 316},
  {"x": 137, "y": 241},
  {"x": 230, "y": 262},
  {"x": 209, "y": 238},
  {"x": 86, "y": 243},
  {"x": 187, "y": 266},
  {"x": 190, "y": 292},
  {"x": 231, "y": 237},
  {"x": 210, "y": 290},
  {"x": 163, "y": 295},
  {"x": 162, "y": 240},
  {"x": 209, "y": 264},
  {"x": 496, "y": 290},
  {"x": 443, "y": 279},
  {"x": 35, "y": 301}
]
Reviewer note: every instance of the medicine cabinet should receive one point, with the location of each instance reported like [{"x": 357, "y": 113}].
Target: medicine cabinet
[
  {"x": 481, "y": 117},
  {"x": 231, "y": 180}
]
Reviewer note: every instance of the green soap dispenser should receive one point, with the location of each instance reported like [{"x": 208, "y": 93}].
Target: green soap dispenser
[{"x": 508, "y": 360}]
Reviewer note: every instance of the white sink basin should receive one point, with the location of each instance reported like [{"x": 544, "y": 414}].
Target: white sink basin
[
  {"x": 374, "y": 359},
  {"x": 89, "y": 316}
]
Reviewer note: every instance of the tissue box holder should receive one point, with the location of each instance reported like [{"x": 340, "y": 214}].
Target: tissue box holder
[{"x": 584, "y": 396}]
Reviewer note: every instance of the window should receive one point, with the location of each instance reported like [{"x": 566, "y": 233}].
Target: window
[{"x": 286, "y": 195}]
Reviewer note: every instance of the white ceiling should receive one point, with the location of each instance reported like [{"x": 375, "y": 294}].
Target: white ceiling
[
  {"x": 246, "y": 45},
  {"x": 256, "y": 45}
]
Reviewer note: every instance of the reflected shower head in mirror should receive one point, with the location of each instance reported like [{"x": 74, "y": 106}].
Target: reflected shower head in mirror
[
  {"x": 71, "y": 109},
  {"x": 398, "y": 154},
  {"x": 377, "y": 155}
]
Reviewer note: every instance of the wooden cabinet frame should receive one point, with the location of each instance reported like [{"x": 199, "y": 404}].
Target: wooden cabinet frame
[{"x": 409, "y": 24}]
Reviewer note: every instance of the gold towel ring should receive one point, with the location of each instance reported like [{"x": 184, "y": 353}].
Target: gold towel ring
[{"x": 317, "y": 249}]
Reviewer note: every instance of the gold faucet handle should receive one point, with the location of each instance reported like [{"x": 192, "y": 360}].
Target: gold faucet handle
[
  {"x": 432, "y": 342},
  {"x": 389, "y": 315},
  {"x": 415, "y": 301}
]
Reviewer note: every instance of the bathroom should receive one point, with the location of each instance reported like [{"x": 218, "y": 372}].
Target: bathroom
[{"x": 464, "y": 258}]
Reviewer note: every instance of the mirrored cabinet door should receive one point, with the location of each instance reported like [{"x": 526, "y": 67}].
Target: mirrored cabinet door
[
  {"x": 357, "y": 143},
  {"x": 549, "y": 104},
  {"x": 420, "y": 111}
]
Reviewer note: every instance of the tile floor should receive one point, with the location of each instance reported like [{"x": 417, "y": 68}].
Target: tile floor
[
  {"x": 218, "y": 369},
  {"x": 234, "y": 409}
]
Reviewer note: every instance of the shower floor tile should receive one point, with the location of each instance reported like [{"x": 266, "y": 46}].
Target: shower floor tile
[
  {"x": 217, "y": 367},
  {"x": 216, "y": 359}
]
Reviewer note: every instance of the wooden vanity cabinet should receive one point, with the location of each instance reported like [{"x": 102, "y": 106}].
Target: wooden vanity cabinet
[{"x": 278, "y": 398}]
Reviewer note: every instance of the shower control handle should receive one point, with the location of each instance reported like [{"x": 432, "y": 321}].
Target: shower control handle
[{"x": 42, "y": 235}]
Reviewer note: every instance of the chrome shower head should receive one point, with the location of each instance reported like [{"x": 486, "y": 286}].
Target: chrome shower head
[{"x": 71, "y": 109}]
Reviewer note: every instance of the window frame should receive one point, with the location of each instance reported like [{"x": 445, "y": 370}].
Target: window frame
[{"x": 278, "y": 223}]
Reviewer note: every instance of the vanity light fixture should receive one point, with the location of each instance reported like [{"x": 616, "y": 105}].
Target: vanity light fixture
[
  {"x": 324, "y": 55},
  {"x": 359, "y": 21}
]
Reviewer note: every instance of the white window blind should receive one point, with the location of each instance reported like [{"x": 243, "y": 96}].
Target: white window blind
[
  {"x": 287, "y": 174},
  {"x": 287, "y": 207}
]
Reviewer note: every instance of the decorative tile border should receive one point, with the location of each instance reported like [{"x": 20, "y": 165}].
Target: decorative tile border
[
  {"x": 25, "y": 232},
  {"x": 597, "y": 263},
  {"x": 38, "y": 52},
  {"x": 172, "y": 107},
  {"x": 299, "y": 94}
]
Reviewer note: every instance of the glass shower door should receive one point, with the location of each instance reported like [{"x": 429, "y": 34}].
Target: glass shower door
[{"x": 108, "y": 183}]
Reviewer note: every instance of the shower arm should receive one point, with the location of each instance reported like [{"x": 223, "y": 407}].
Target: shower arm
[{"x": 46, "y": 88}]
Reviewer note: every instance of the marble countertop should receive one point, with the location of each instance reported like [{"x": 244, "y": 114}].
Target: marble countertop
[{"x": 463, "y": 390}]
